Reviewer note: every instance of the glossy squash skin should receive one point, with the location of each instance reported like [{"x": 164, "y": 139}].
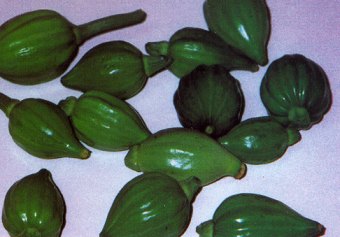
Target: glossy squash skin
[
  {"x": 38, "y": 46},
  {"x": 210, "y": 100},
  {"x": 190, "y": 47},
  {"x": 105, "y": 122},
  {"x": 259, "y": 140},
  {"x": 41, "y": 128},
  {"x": 295, "y": 91},
  {"x": 116, "y": 67},
  {"x": 34, "y": 207},
  {"x": 245, "y": 25},
  {"x": 255, "y": 215},
  {"x": 182, "y": 153},
  {"x": 151, "y": 205}
]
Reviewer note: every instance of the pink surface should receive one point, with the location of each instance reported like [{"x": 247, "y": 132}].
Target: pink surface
[{"x": 307, "y": 177}]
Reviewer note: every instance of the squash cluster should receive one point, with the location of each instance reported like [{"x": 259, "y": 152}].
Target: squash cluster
[{"x": 176, "y": 163}]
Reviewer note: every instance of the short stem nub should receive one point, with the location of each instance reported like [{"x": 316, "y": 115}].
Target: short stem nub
[
  {"x": 299, "y": 117},
  {"x": 191, "y": 187},
  {"x": 206, "y": 229},
  {"x": 160, "y": 48},
  {"x": 68, "y": 104},
  {"x": 7, "y": 103},
  {"x": 155, "y": 64},
  {"x": 294, "y": 136},
  {"x": 110, "y": 23}
]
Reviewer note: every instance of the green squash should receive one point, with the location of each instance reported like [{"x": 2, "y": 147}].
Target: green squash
[
  {"x": 295, "y": 91},
  {"x": 191, "y": 47},
  {"x": 41, "y": 128},
  {"x": 254, "y": 215},
  {"x": 259, "y": 140},
  {"x": 38, "y": 46},
  {"x": 116, "y": 67},
  {"x": 104, "y": 121},
  {"x": 182, "y": 153},
  {"x": 210, "y": 100},
  {"x": 245, "y": 25},
  {"x": 151, "y": 205},
  {"x": 34, "y": 207}
]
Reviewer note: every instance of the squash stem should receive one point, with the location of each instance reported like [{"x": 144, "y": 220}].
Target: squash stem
[
  {"x": 191, "y": 187},
  {"x": 242, "y": 172},
  {"x": 68, "y": 104},
  {"x": 86, "y": 31},
  {"x": 7, "y": 103},
  {"x": 206, "y": 229},
  {"x": 299, "y": 116},
  {"x": 294, "y": 136},
  {"x": 160, "y": 48},
  {"x": 155, "y": 64}
]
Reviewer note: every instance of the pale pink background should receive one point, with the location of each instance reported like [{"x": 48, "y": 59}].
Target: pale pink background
[{"x": 306, "y": 178}]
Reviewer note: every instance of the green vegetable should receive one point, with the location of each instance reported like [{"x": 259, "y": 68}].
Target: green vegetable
[
  {"x": 210, "y": 100},
  {"x": 245, "y": 25},
  {"x": 38, "y": 46},
  {"x": 182, "y": 153},
  {"x": 259, "y": 140},
  {"x": 257, "y": 216},
  {"x": 41, "y": 128},
  {"x": 115, "y": 67},
  {"x": 151, "y": 205},
  {"x": 105, "y": 122},
  {"x": 34, "y": 207},
  {"x": 295, "y": 91},
  {"x": 191, "y": 47}
]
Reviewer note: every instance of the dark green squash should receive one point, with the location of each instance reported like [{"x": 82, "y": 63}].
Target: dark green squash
[
  {"x": 190, "y": 47},
  {"x": 245, "y": 25},
  {"x": 151, "y": 205},
  {"x": 259, "y": 140},
  {"x": 38, "y": 46},
  {"x": 104, "y": 121},
  {"x": 255, "y": 215},
  {"x": 41, "y": 128},
  {"x": 210, "y": 100},
  {"x": 34, "y": 207},
  {"x": 295, "y": 91},
  {"x": 182, "y": 153},
  {"x": 116, "y": 67}
]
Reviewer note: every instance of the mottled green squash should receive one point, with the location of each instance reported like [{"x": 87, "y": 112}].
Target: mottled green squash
[
  {"x": 295, "y": 91},
  {"x": 255, "y": 215},
  {"x": 38, "y": 46},
  {"x": 190, "y": 47},
  {"x": 210, "y": 100},
  {"x": 41, "y": 128},
  {"x": 151, "y": 205},
  {"x": 245, "y": 25},
  {"x": 259, "y": 140},
  {"x": 34, "y": 207},
  {"x": 116, "y": 67},
  {"x": 104, "y": 121}
]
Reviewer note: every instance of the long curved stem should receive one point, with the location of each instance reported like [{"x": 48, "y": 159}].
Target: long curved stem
[{"x": 93, "y": 28}]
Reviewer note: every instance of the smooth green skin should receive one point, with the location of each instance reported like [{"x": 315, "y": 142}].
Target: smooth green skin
[
  {"x": 34, "y": 207},
  {"x": 191, "y": 47},
  {"x": 38, "y": 46},
  {"x": 105, "y": 122},
  {"x": 255, "y": 215},
  {"x": 245, "y": 25},
  {"x": 151, "y": 205},
  {"x": 115, "y": 67},
  {"x": 182, "y": 153},
  {"x": 42, "y": 129},
  {"x": 259, "y": 140},
  {"x": 210, "y": 100},
  {"x": 295, "y": 91}
]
